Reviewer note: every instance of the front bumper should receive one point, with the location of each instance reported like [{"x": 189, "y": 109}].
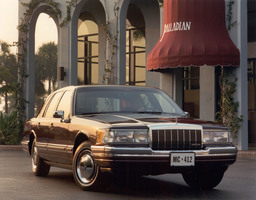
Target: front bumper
[{"x": 106, "y": 156}]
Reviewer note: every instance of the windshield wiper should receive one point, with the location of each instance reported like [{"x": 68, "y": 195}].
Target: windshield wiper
[
  {"x": 139, "y": 112},
  {"x": 149, "y": 112},
  {"x": 91, "y": 113}
]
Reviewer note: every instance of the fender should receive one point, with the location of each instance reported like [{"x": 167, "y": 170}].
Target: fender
[{"x": 82, "y": 136}]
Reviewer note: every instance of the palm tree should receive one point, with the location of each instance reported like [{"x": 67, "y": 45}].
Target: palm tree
[
  {"x": 8, "y": 75},
  {"x": 45, "y": 70}
]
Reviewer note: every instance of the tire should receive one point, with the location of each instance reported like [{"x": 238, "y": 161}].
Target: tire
[
  {"x": 203, "y": 179},
  {"x": 86, "y": 173},
  {"x": 39, "y": 168}
]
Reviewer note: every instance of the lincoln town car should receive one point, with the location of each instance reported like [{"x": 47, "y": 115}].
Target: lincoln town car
[{"x": 127, "y": 130}]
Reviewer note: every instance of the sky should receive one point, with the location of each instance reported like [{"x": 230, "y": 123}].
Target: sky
[{"x": 46, "y": 30}]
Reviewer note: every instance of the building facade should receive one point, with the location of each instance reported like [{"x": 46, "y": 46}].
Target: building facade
[{"x": 107, "y": 42}]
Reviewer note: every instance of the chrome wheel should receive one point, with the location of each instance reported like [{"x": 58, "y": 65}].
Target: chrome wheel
[
  {"x": 85, "y": 167},
  {"x": 34, "y": 156},
  {"x": 85, "y": 171}
]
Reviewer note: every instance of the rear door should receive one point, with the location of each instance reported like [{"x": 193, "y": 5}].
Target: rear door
[
  {"x": 41, "y": 129},
  {"x": 59, "y": 143},
  {"x": 45, "y": 123}
]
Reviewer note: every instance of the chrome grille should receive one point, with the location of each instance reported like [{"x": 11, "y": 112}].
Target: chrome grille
[{"x": 176, "y": 139}]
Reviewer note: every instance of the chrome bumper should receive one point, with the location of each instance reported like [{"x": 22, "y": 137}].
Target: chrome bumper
[{"x": 106, "y": 155}]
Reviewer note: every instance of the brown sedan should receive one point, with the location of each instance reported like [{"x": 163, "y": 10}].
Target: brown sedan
[{"x": 121, "y": 129}]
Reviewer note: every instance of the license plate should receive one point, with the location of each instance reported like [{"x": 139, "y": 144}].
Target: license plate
[{"x": 182, "y": 159}]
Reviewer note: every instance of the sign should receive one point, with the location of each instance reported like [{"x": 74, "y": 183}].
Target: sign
[
  {"x": 182, "y": 159},
  {"x": 176, "y": 26}
]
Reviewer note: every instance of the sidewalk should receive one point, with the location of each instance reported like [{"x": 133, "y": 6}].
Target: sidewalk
[
  {"x": 11, "y": 147},
  {"x": 249, "y": 154}
]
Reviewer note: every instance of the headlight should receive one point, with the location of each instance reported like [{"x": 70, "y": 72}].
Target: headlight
[
  {"x": 216, "y": 136},
  {"x": 123, "y": 136}
]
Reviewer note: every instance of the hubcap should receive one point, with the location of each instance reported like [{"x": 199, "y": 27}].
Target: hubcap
[
  {"x": 34, "y": 157},
  {"x": 85, "y": 168}
]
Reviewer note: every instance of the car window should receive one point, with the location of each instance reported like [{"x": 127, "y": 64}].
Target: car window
[
  {"x": 44, "y": 106},
  {"x": 165, "y": 105},
  {"x": 94, "y": 102},
  {"x": 149, "y": 106},
  {"x": 52, "y": 105},
  {"x": 102, "y": 101},
  {"x": 65, "y": 104}
]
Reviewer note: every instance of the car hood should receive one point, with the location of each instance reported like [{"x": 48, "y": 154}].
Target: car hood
[{"x": 138, "y": 119}]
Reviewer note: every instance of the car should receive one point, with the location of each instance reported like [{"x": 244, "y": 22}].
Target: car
[{"x": 125, "y": 130}]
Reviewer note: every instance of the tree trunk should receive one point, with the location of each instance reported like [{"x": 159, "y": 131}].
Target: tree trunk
[
  {"x": 6, "y": 103},
  {"x": 49, "y": 87}
]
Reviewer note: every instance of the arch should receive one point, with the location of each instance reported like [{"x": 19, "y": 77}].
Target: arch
[
  {"x": 30, "y": 82},
  {"x": 151, "y": 12},
  {"x": 92, "y": 7},
  {"x": 121, "y": 52},
  {"x": 88, "y": 50},
  {"x": 135, "y": 42}
]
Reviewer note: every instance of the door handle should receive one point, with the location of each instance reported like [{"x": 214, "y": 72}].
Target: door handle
[{"x": 51, "y": 126}]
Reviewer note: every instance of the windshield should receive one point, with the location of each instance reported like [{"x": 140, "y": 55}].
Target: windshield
[{"x": 109, "y": 100}]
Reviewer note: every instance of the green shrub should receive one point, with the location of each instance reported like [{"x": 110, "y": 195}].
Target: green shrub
[{"x": 9, "y": 133}]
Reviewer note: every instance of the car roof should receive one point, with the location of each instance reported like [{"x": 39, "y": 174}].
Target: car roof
[{"x": 95, "y": 87}]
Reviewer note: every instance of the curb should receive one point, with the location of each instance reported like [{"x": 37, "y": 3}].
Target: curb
[
  {"x": 249, "y": 154},
  {"x": 11, "y": 147}
]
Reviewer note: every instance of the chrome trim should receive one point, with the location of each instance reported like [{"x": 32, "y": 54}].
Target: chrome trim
[
  {"x": 171, "y": 126},
  {"x": 69, "y": 148},
  {"x": 218, "y": 150},
  {"x": 55, "y": 147},
  {"x": 176, "y": 125},
  {"x": 41, "y": 144},
  {"x": 163, "y": 139},
  {"x": 148, "y": 152}
]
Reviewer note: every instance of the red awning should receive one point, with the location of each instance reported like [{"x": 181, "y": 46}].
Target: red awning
[{"x": 194, "y": 34}]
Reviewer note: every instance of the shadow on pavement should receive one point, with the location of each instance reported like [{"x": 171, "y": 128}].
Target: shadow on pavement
[{"x": 153, "y": 187}]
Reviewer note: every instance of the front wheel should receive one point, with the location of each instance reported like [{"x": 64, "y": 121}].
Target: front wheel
[
  {"x": 86, "y": 173},
  {"x": 203, "y": 179}
]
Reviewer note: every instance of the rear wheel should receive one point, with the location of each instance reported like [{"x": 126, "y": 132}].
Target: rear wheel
[
  {"x": 86, "y": 173},
  {"x": 203, "y": 179},
  {"x": 39, "y": 168}
]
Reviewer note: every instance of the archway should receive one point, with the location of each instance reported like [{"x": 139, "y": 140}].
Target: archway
[
  {"x": 88, "y": 24},
  {"x": 88, "y": 50},
  {"x": 148, "y": 12},
  {"x": 45, "y": 58},
  {"x": 30, "y": 69},
  {"x": 135, "y": 47}
]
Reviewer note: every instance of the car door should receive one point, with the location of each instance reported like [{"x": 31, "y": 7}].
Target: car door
[
  {"x": 59, "y": 141},
  {"x": 41, "y": 128},
  {"x": 46, "y": 120}
]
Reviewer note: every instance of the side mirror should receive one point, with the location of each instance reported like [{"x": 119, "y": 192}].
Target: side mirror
[{"x": 59, "y": 114}]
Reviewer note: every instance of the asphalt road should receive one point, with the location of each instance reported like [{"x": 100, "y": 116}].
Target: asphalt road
[{"x": 17, "y": 182}]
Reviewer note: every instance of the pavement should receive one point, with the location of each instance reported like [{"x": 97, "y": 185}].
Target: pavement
[{"x": 248, "y": 154}]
